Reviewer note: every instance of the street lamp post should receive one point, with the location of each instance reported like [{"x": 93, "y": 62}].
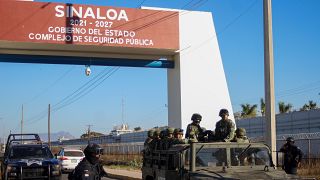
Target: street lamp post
[{"x": 270, "y": 135}]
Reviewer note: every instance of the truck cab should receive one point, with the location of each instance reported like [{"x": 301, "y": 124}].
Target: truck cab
[{"x": 26, "y": 157}]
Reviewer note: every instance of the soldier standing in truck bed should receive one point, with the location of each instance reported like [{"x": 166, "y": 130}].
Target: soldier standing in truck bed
[
  {"x": 166, "y": 142},
  {"x": 225, "y": 127},
  {"x": 155, "y": 141},
  {"x": 194, "y": 129},
  {"x": 178, "y": 137},
  {"x": 149, "y": 138},
  {"x": 147, "y": 142}
]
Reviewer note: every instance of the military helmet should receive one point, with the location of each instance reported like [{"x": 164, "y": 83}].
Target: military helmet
[
  {"x": 223, "y": 112},
  {"x": 151, "y": 132},
  {"x": 196, "y": 117},
  {"x": 156, "y": 133},
  {"x": 241, "y": 132},
  {"x": 163, "y": 133},
  {"x": 178, "y": 131},
  {"x": 290, "y": 139},
  {"x": 93, "y": 149},
  {"x": 170, "y": 130}
]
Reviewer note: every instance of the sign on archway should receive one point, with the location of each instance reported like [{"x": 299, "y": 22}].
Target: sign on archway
[{"x": 183, "y": 41}]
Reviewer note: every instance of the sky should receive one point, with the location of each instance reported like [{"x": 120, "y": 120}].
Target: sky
[{"x": 138, "y": 96}]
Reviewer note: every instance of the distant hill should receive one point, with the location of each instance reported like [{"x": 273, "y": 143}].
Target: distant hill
[{"x": 56, "y": 136}]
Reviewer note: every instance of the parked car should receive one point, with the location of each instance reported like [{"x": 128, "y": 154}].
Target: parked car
[
  {"x": 26, "y": 157},
  {"x": 69, "y": 158}
]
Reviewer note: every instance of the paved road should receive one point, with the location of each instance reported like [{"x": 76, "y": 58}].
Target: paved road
[{"x": 65, "y": 177}]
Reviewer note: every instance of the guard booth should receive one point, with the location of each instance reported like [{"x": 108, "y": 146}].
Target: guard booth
[{"x": 182, "y": 41}]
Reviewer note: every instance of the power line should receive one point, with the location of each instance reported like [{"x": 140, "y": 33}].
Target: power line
[
  {"x": 84, "y": 86},
  {"x": 294, "y": 91},
  {"x": 84, "y": 91},
  {"x": 218, "y": 33},
  {"x": 79, "y": 97},
  {"x": 238, "y": 17},
  {"x": 50, "y": 86},
  {"x": 141, "y": 3}
]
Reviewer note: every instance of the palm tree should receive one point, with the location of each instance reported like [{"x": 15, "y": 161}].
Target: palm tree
[
  {"x": 312, "y": 105},
  {"x": 248, "y": 110},
  {"x": 262, "y": 107},
  {"x": 305, "y": 107},
  {"x": 284, "y": 108},
  {"x": 309, "y": 106}
]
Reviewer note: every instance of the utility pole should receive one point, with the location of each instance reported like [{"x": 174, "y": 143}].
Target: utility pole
[
  {"x": 122, "y": 110},
  {"x": 49, "y": 141},
  {"x": 89, "y": 131},
  {"x": 21, "y": 120},
  {"x": 270, "y": 135}
]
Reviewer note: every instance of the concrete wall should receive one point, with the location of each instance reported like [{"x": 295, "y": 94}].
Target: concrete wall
[{"x": 288, "y": 123}]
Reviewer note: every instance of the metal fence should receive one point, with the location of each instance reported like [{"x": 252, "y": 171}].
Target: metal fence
[
  {"x": 123, "y": 148},
  {"x": 309, "y": 143},
  {"x": 114, "y": 148}
]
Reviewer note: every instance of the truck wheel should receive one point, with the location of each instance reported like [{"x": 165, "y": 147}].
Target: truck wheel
[{"x": 149, "y": 178}]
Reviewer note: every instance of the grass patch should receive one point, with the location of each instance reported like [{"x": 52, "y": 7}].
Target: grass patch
[
  {"x": 127, "y": 162},
  {"x": 311, "y": 169}
]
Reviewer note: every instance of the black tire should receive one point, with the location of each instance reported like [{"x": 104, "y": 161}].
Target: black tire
[{"x": 149, "y": 178}]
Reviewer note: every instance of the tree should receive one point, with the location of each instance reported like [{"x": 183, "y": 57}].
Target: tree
[
  {"x": 284, "y": 108},
  {"x": 262, "y": 107},
  {"x": 309, "y": 106},
  {"x": 248, "y": 110},
  {"x": 305, "y": 107}
]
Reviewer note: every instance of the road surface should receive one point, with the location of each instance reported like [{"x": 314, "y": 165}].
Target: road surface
[{"x": 65, "y": 177}]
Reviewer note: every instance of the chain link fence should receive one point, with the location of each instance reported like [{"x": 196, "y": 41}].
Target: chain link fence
[{"x": 309, "y": 143}]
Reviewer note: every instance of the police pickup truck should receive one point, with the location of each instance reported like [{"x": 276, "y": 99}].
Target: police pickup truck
[
  {"x": 26, "y": 157},
  {"x": 217, "y": 160}
]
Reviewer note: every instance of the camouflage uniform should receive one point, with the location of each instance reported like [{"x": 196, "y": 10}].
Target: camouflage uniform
[
  {"x": 225, "y": 127},
  {"x": 240, "y": 136},
  {"x": 194, "y": 129},
  {"x": 224, "y": 130}
]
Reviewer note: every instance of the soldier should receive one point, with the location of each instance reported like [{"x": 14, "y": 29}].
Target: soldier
[
  {"x": 168, "y": 138},
  {"x": 225, "y": 127},
  {"x": 194, "y": 129},
  {"x": 178, "y": 136},
  {"x": 178, "y": 133},
  {"x": 147, "y": 142},
  {"x": 240, "y": 136},
  {"x": 292, "y": 156},
  {"x": 156, "y": 139},
  {"x": 149, "y": 138}
]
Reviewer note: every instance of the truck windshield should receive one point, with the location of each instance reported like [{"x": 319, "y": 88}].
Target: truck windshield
[
  {"x": 246, "y": 156},
  {"x": 28, "y": 152}
]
